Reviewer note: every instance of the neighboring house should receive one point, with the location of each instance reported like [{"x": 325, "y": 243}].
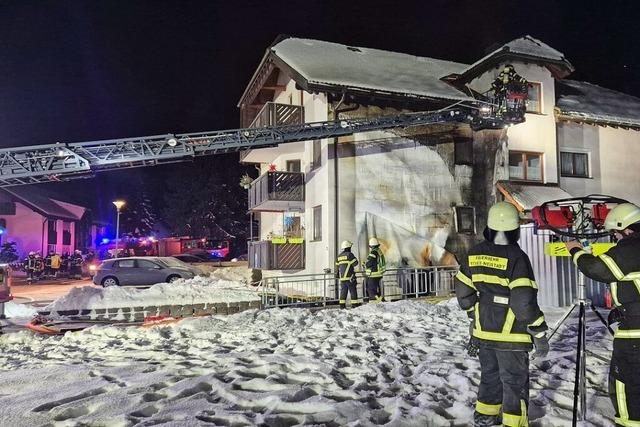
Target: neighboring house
[
  {"x": 42, "y": 224},
  {"x": 423, "y": 191}
]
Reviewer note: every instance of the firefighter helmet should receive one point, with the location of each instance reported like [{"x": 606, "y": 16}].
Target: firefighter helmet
[
  {"x": 503, "y": 216},
  {"x": 374, "y": 242},
  {"x": 32, "y": 253},
  {"x": 622, "y": 216},
  {"x": 346, "y": 244}
]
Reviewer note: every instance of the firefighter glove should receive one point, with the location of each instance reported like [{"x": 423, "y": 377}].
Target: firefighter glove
[
  {"x": 541, "y": 343},
  {"x": 616, "y": 315},
  {"x": 472, "y": 348}
]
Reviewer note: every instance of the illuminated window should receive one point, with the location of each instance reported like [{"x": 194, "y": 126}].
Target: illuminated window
[
  {"x": 534, "y": 99},
  {"x": 525, "y": 166}
]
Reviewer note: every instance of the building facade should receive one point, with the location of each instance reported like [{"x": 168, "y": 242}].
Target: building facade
[
  {"x": 423, "y": 192},
  {"x": 42, "y": 224}
]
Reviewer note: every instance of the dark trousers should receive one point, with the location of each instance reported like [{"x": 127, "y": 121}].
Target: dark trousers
[
  {"x": 348, "y": 287},
  {"x": 624, "y": 380},
  {"x": 504, "y": 385},
  {"x": 373, "y": 288}
]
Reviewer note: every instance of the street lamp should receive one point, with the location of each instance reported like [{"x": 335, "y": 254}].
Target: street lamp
[{"x": 118, "y": 204}]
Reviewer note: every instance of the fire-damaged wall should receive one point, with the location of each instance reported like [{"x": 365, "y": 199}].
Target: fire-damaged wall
[{"x": 404, "y": 186}]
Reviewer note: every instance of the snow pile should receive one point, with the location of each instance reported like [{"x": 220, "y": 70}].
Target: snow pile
[
  {"x": 12, "y": 309},
  {"x": 221, "y": 287},
  {"x": 394, "y": 364}
]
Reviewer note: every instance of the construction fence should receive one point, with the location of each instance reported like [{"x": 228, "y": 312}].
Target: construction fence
[{"x": 310, "y": 290}]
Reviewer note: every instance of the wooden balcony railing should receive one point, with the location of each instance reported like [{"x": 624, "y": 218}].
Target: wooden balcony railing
[
  {"x": 286, "y": 254},
  {"x": 273, "y": 114},
  {"x": 277, "y": 191}
]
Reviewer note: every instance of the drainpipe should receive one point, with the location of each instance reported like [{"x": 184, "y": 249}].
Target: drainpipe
[
  {"x": 336, "y": 215},
  {"x": 44, "y": 221}
]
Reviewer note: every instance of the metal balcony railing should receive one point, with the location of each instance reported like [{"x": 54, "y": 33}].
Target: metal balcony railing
[
  {"x": 277, "y": 191},
  {"x": 277, "y": 254}
]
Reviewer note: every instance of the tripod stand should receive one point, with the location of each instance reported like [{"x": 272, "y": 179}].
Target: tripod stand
[{"x": 580, "y": 383}]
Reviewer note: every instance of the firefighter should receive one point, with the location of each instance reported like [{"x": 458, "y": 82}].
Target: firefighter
[
  {"x": 620, "y": 267},
  {"x": 507, "y": 81},
  {"x": 47, "y": 265},
  {"x": 56, "y": 262},
  {"x": 347, "y": 263},
  {"x": 496, "y": 286},
  {"x": 75, "y": 263},
  {"x": 39, "y": 270},
  {"x": 29, "y": 265},
  {"x": 375, "y": 267}
]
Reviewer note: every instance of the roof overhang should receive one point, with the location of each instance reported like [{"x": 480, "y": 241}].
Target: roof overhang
[{"x": 525, "y": 196}]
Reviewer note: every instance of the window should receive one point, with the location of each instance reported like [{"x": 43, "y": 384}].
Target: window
[
  {"x": 317, "y": 223},
  {"x": 52, "y": 231},
  {"x": 574, "y": 164},
  {"x": 143, "y": 263},
  {"x": 525, "y": 166},
  {"x": 51, "y": 248},
  {"x": 534, "y": 99},
  {"x": 66, "y": 233},
  {"x": 463, "y": 152},
  {"x": 465, "y": 219},
  {"x": 126, "y": 263},
  {"x": 316, "y": 161},
  {"x": 7, "y": 208},
  {"x": 293, "y": 166}
]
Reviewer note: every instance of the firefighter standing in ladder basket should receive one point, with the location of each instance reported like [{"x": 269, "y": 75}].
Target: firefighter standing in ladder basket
[
  {"x": 620, "y": 266},
  {"x": 347, "y": 263},
  {"x": 510, "y": 90},
  {"x": 496, "y": 286}
]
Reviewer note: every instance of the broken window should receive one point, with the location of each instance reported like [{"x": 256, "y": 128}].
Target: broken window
[
  {"x": 316, "y": 161},
  {"x": 465, "y": 219},
  {"x": 463, "y": 152},
  {"x": 293, "y": 166}
]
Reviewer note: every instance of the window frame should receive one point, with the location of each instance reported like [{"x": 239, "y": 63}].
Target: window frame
[
  {"x": 539, "y": 86},
  {"x": 458, "y": 219},
  {"x": 316, "y": 229},
  {"x": 316, "y": 157},
  {"x": 463, "y": 152},
  {"x": 66, "y": 233},
  {"x": 573, "y": 154},
  {"x": 524, "y": 155},
  {"x": 52, "y": 230},
  {"x": 297, "y": 162}
]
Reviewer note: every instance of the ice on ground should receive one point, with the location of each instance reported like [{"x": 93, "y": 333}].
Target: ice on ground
[
  {"x": 222, "y": 286},
  {"x": 12, "y": 309},
  {"x": 392, "y": 364}
]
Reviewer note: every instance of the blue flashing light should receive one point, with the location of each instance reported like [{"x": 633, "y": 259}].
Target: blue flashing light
[{"x": 104, "y": 241}]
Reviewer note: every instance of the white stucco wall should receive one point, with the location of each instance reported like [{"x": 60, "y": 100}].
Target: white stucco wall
[
  {"x": 538, "y": 132},
  {"x": 612, "y": 160}
]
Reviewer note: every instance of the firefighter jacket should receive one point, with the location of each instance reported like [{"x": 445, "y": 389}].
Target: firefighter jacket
[
  {"x": 376, "y": 264},
  {"x": 346, "y": 263},
  {"x": 76, "y": 260},
  {"x": 55, "y": 261},
  {"x": 496, "y": 286},
  {"x": 29, "y": 263},
  {"x": 620, "y": 267}
]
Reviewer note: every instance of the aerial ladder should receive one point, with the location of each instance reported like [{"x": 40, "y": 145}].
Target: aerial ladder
[{"x": 66, "y": 161}]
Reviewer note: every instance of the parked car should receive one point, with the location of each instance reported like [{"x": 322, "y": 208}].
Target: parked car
[
  {"x": 142, "y": 271},
  {"x": 189, "y": 258}
]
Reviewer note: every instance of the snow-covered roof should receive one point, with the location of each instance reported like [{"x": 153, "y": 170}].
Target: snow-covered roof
[
  {"x": 527, "y": 47},
  {"x": 528, "y": 196},
  {"x": 323, "y": 63},
  {"x": 40, "y": 202},
  {"x": 588, "y": 102}
]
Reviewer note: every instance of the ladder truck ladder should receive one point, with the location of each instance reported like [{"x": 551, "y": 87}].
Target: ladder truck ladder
[{"x": 65, "y": 161}]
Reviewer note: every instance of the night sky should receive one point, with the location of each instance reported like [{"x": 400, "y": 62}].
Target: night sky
[{"x": 86, "y": 70}]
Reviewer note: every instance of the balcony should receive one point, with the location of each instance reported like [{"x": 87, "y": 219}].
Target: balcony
[
  {"x": 277, "y": 254},
  {"x": 277, "y": 192},
  {"x": 273, "y": 114}
]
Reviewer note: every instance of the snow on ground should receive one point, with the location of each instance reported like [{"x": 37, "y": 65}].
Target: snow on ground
[
  {"x": 224, "y": 285},
  {"x": 394, "y": 364},
  {"x": 12, "y": 310}
]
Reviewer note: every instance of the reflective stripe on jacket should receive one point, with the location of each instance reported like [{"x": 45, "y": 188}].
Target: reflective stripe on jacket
[
  {"x": 346, "y": 263},
  {"x": 620, "y": 267},
  {"x": 376, "y": 264},
  {"x": 496, "y": 286}
]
